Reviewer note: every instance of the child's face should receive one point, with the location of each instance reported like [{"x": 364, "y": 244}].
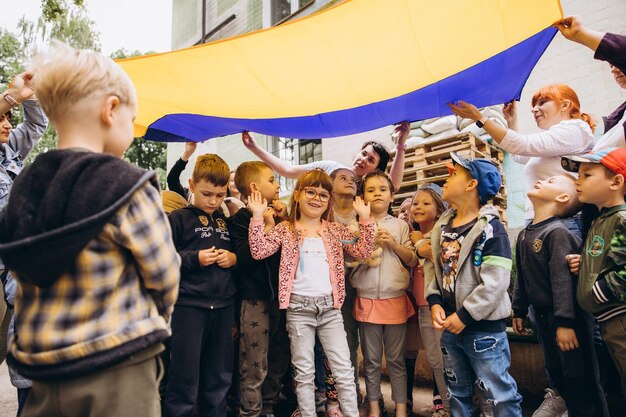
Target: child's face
[
  {"x": 423, "y": 208},
  {"x": 207, "y": 196},
  {"x": 455, "y": 188},
  {"x": 403, "y": 211},
  {"x": 312, "y": 201},
  {"x": 378, "y": 194},
  {"x": 267, "y": 185},
  {"x": 121, "y": 132},
  {"x": 344, "y": 183},
  {"x": 231, "y": 185},
  {"x": 5, "y": 127},
  {"x": 593, "y": 184},
  {"x": 550, "y": 188}
]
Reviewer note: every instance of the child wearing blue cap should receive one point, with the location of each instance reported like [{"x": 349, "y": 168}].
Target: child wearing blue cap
[{"x": 468, "y": 298}]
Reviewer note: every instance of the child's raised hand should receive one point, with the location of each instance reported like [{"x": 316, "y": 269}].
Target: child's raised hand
[
  {"x": 453, "y": 324},
  {"x": 438, "y": 315},
  {"x": 573, "y": 260},
  {"x": 362, "y": 209},
  {"x": 566, "y": 339},
  {"x": 225, "y": 258},
  {"x": 190, "y": 148},
  {"x": 518, "y": 325},
  {"x": 268, "y": 217},
  {"x": 207, "y": 257},
  {"x": 280, "y": 209},
  {"x": 257, "y": 205}
]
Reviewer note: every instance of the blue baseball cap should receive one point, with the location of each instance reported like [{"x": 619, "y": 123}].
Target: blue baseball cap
[
  {"x": 484, "y": 171},
  {"x": 431, "y": 186}
]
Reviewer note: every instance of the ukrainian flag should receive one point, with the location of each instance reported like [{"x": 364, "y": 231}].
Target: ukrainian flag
[{"x": 360, "y": 65}]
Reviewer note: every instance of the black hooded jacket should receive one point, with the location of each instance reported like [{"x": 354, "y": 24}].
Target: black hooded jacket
[
  {"x": 58, "y": 205},
  {"x": 193, "y": 230}
]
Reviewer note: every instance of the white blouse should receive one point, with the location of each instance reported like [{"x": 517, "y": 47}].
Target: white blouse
[{"x": 542, "y": 152}]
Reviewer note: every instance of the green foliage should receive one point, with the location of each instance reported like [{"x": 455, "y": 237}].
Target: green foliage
[
  {"x": 67, "y": 21},
  {"x": 149, "y": 155},
  {"x": 11, "y": 57},
  {"x": 47, "y": 142}
]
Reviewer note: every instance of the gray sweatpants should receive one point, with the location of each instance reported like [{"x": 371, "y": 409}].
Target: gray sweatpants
[{"x": 391, "y": 338}]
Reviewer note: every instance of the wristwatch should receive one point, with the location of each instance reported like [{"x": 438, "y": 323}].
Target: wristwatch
[
  {"x": 9, "y": 99},
  {"x": 480, "y": 123}
]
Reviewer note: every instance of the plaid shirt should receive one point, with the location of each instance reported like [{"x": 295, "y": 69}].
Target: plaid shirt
[{"x": 122, "y": 287}]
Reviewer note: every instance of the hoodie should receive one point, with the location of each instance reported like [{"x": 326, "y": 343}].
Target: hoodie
[{"x": 483, "y": 272}]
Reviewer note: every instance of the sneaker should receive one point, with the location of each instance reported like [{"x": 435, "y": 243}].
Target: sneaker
[
  {"x": 552, "y": 405},
  {"x": 334, "y": 412}
]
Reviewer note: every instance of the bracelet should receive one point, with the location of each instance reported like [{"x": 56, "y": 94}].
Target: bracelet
[
  {"x": 9, "y": 99},
  {"x": 400, "y": 147}
]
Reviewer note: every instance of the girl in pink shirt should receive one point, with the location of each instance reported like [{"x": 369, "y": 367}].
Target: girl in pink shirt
[{"x": 311, "y": 282}]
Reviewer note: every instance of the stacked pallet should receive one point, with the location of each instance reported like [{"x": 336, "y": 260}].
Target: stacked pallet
[{"x": 427, "y": 163}]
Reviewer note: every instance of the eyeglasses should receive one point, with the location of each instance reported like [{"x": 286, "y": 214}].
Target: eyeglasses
[{"x": 310, "y": 193}]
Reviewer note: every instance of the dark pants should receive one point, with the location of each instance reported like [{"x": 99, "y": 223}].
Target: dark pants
[
  {"x": 22, "y": 395},
  {"x": 201, "y": 367},
  {"x": 575, "y": 374}
]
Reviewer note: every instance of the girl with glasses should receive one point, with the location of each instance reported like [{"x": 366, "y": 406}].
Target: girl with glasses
[{"x": 311, "y": 284}]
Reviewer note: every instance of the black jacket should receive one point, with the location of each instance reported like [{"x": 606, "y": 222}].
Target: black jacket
[
  {"x": 543, "y": 276},
  {"x": 193, "y": 230},
  {"x": 256, "y": 280}
]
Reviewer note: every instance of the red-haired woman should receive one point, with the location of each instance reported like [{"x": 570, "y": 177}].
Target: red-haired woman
[{"x": 567, "y": 131}]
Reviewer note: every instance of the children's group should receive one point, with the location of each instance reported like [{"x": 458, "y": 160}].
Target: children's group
[{"x": 217, "y": 298}]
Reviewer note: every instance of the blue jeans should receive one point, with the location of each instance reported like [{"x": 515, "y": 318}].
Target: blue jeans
[{"x": 482, "y": 359}]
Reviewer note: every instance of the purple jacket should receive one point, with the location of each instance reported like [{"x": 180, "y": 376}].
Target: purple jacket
[{"x": 612, "y": 49}]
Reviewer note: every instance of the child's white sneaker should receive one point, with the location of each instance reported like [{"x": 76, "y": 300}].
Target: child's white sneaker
[{"x": 553, "y": 405}]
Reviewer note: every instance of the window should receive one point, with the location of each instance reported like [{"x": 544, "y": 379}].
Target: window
[
  {"x": 280, "y": 10},
  {"x": 310, "y": 151}
]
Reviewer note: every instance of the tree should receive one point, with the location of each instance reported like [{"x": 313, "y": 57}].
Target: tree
[
  {"x": 67, "y": 21},
  {"x": 11, "y": 57}
]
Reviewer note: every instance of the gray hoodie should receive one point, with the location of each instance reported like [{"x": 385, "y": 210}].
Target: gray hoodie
[
  {"x": 483, "y": 272},
  {"x": 391, "y": 277}
]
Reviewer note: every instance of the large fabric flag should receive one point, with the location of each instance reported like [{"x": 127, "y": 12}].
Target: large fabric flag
[{"x": 360, "y": 65}]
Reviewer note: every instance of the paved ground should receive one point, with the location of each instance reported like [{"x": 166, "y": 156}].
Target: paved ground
[
  {"x": 8, "y": 394},
  {"x": 421, "y": 396}
]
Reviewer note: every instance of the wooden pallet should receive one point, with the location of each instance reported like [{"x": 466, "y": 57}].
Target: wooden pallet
[{"x": 426, "y": 163}]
